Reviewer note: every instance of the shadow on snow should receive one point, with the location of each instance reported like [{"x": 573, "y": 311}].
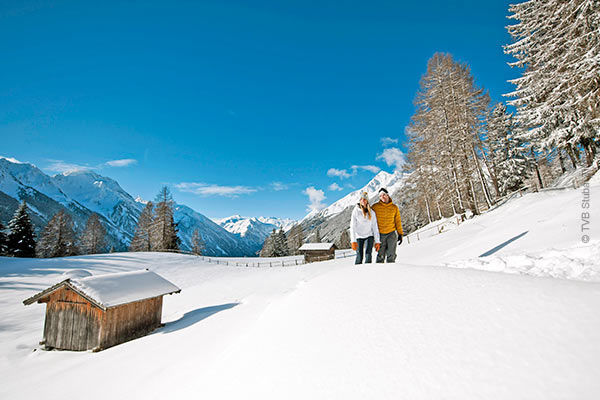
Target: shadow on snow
[
  {"x": 501, "y": 245},
  {"x": 191, "y": 317}
]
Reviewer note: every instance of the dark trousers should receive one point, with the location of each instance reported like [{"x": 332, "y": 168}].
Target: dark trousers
[
  {"x": 365, "y": 245},
  {"x": 387, "y": 251}
]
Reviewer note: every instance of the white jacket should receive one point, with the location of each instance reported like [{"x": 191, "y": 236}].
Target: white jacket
[{"x": 362, "y": 227}]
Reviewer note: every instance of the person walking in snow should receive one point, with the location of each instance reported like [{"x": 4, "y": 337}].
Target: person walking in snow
[
  {"x": 390, "y": 226},
  {"x": 363, "y": 230}
]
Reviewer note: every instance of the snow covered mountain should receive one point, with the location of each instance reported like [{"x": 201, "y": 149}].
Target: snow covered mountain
[
  {"x": 82, "y": 193},
  {"x": 254, "y": 230},
  {"x": 332, "y": 220},
  {"x": 392, "y": 182}
]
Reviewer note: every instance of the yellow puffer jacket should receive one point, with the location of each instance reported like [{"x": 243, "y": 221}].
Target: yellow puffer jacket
[{"x": 388, "y": 217}]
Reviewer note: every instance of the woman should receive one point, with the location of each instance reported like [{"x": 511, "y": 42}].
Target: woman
[{"x": 363, "y": 229}]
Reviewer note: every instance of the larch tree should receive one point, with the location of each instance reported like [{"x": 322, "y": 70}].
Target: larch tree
[
  {"x": 268, "y": 249},
  {"x": 163, "y": 235},
  {"x": 141, "y": 237},
  {"x": 93, "y": 238},
  {"x": 21, "y": 237},
  {"x": 344, "y": 242},
  {"x": 58, "y": 237},
  {"x": 295, "y": 238},
  {"x": 198, "y": 245}
]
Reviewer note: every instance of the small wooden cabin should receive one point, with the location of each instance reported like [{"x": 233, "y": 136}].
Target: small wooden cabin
[
  {"x": 318, "y": 251},
  {"x": 98, "y": 312}
]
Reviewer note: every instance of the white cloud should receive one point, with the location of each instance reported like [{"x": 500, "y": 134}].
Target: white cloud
[
  {"x": 121, "y": 163},
  {"x": 334, "y": 186},
  {"x": 205, "y": 189},
  {"x": 393, "y": 156},
  {"x": 370, "y": 168},
  {"x": 386, "y": 141},
  {"x": 340, "y": 173},
  {"x": 316, "y": 197},
  {"x": 61, "y": 167},
  {"x": 278, "y": 186}
]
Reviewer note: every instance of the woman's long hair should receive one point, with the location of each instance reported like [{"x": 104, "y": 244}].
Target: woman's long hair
[{"x": 365, "y": 210}]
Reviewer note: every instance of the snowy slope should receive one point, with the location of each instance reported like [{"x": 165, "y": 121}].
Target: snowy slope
[
  {"x": 84, "y": 192},
  {"x": 414, "y": 329},
  {"x": 103, "y": 196}
]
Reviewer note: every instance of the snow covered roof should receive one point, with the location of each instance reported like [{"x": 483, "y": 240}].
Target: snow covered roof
[
  {"x": 112, "y": 290},
  {"x": 316, "y": 246}
]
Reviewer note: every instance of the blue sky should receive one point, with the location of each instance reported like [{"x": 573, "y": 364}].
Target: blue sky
[{"x": 238, "y": 106}]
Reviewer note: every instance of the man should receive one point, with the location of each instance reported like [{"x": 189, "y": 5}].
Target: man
[{"x": 390, "y": 226}]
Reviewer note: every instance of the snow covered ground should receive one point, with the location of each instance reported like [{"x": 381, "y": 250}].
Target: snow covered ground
[{"x": 415, "y": 329}]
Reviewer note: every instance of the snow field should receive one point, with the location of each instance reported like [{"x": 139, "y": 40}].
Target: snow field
[{"x": 328, "y": 330}]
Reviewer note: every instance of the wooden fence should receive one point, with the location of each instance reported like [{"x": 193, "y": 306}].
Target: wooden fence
[{"x": 261, "y": 264}]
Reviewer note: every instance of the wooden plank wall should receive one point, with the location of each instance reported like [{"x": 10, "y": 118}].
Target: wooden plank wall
[
  {"x": 130, "y": 321},
  {"x": 72, "y": 323}
]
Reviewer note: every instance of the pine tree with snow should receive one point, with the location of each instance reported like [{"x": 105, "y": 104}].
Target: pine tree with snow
[
  {"x": 3, "y": 241},
  {"x": 280, "y": 245},
  {"x": 141, "y": 237},
  {"x": 557, "y": 42},
  {"x": 198, "y": 245},
  {"x": 58, "y": 237},
  {"x": 163, "y": 235},
  {"x": 21, "y": 237},
  {"x": 510, "y": 167},
  {"x": 93, "y": 238}
]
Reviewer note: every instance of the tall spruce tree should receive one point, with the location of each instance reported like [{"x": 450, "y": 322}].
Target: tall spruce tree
[
  {"x": 557, "y": 42},
  {"x": 510, "y": 166},
  {"x": 58, "y": 237},
  {"x": 163, "y": 235},
  {"x": 280, "y": 248},
  {"x": 21, "y": 237},
  {"x": 93, "y": 238},
  {"x": 141, "y": 237}
]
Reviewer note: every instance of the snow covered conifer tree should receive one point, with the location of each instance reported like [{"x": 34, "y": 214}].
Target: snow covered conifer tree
[
  {"x": 93, "y": 238},
  {"x": 280, "y": 248},
  {"x": 558, "y": 95},
  {"x": 164, "y": 230},
  {"x": 141, "y": 237},
  {"x": 3, "y": 241},
  {"x": 58, "y": 237},
  {"x": 21, "y": 238},
  {"x": 198, "y": 245},
  {"x": 510, "y": 166}
]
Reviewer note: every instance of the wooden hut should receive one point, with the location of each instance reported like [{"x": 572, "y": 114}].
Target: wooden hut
[
  {"x": 98, "y": 312},
  {"x": 318, "y": 251}
]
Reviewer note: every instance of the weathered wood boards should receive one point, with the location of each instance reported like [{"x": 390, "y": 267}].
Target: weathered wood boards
[{"x": 75, "y": 320}]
